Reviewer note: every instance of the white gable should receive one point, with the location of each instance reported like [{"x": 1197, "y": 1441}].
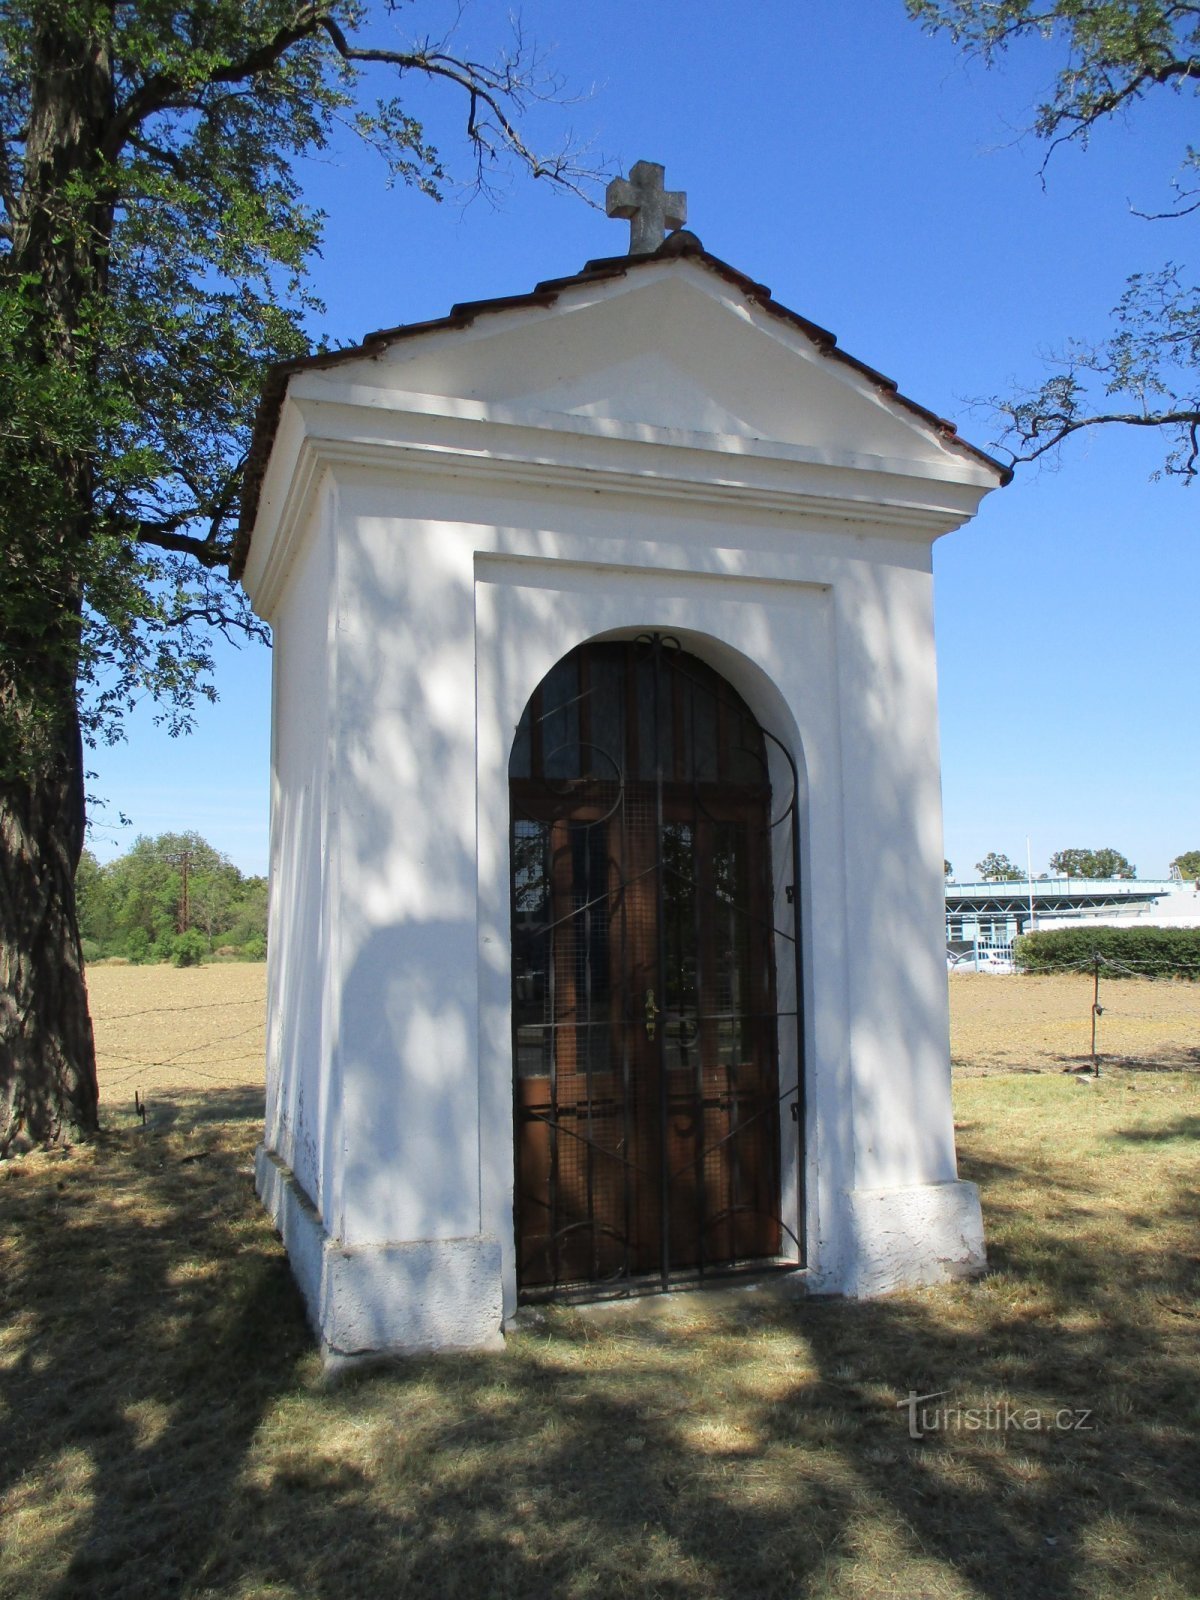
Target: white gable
[{"x": 670, "y": 347}]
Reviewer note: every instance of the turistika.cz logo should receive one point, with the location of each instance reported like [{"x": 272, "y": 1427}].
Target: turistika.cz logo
[{"x": 995, "y": 1416}]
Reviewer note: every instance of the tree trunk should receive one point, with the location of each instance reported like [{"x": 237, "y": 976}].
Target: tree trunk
[
  {"x": 48, "y": 1089},
  {"x": 60, "y": 228}
]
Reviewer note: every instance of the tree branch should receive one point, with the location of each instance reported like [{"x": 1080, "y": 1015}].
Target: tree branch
[
  {"x": 484, "y": 87},
  {"x": 163, "y": 91},
  {"x": 1081, "y": 120},
  {"x": 207, "y": 550},
  {"x": 1062, "y": 428}
]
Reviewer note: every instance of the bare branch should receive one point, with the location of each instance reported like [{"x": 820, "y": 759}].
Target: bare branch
[
  {"x": 1166, "y": 216},
  {"x": 485, "y": 87},
  {"x": 213, "y": 616},
  {"x": 212, "y": 549},
  {"x": 208, "y": 552},
  {"x": 1061, "y": 428}
]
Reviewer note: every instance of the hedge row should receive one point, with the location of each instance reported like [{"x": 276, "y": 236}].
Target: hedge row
[{"x": 1123, "y": 952}]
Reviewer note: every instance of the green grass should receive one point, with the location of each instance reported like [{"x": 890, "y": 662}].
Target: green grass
[{"x": 167, "y": 1430}]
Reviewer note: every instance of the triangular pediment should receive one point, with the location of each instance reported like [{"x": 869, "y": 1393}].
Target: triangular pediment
[{"x": 674, "y": 349}]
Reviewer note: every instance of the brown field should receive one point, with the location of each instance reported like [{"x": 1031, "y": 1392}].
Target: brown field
[
  {"x": 167, "y": 1032},
  {"x": 167, "y": 1429},
  {"x": 1042, "y": 1024}
]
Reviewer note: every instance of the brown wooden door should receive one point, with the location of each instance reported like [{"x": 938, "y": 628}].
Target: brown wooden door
[{"x": 644, "y": 1013}]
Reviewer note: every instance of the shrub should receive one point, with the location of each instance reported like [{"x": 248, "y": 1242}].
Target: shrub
[
  {"x": 189, "y": 949},
  {"x": 137, "y": 946},
  {"x": 255, "y": 949},
  {"x": 91, "y": 949},
  {"x": 1124, "y": 952}
]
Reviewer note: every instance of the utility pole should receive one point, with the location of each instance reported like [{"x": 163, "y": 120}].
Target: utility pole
[{"x": 183, "y": 860}]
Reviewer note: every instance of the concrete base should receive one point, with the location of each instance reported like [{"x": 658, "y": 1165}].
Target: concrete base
[
  {"x": 371, "y": 1300},
  {"x": 904, "y": 1238}
]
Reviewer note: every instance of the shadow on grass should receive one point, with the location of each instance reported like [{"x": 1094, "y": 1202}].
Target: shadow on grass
[
  {"x": 1181, "y": 1128},
  {"x": 186, "y": 1109},
  {"x": 150, "y": 1318},
  {"x": 167, "y": 1431}
]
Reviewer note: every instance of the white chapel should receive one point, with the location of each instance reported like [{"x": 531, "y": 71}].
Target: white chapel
[{"x": 606, "y": 939}]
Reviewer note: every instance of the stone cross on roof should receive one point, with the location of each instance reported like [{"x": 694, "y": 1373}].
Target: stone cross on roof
[{"x": 651, "y": 209}]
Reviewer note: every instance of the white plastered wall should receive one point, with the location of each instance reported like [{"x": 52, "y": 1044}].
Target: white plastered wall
[
  {"x": 424, "y": 562},
  {"x": 832, "y": 647},
  {"x": 303, "y": 1096}
]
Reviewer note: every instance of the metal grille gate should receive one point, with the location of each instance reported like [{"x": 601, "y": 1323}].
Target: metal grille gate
[{"x": 645, "y": 1018}]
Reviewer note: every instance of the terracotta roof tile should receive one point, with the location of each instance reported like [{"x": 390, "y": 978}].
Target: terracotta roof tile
[{"x": 545, "y": 294}]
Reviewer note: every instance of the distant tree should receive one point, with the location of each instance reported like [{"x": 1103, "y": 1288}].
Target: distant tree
[
  {"x": 1106, "y": 863},
  {"x": 1109, "y": 863},
  {"x": 134, "y": 906},
  {"x": 250, "y": 925},
  {"x": 998, "y": 869},
  {"x": 146, "y": 883},
  {"x": 1069, "y": 863},
  {"x": 93, "y": 900},
  {"x": 1188, "y": 864},
  {"x": 947, "y": 869}
]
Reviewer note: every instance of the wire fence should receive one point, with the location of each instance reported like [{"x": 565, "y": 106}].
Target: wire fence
[
  {"x": 1094, "y": 1013},
  {"x": 179, "y": 1043},
  {"x": 1096, "y": 1016}
]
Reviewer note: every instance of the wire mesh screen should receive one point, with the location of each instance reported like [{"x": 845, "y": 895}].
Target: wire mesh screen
[{"x": 645, "y": 1022}]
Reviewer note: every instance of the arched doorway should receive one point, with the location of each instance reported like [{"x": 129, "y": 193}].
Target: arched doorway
[{"x": 644, "y": 937}]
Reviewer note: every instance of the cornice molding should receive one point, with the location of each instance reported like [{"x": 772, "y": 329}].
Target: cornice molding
[{"x": 495, "y": 456}]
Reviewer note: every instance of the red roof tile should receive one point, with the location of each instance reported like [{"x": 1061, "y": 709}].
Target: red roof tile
[{"x": 545, "y": 294}]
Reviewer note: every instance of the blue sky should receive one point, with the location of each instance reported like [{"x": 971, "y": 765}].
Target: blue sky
[{"x": 882, "y": 187}]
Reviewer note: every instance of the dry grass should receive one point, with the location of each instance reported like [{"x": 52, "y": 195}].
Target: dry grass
[
  {"x": 1042, "y": 1022},
  {"x": 167, "y": 1432}
]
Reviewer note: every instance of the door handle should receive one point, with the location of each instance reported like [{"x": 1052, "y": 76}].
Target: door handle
[{"x": 651, "y": 1012}]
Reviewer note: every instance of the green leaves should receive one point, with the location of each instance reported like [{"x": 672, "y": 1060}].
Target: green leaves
[
  {"x": 1146, "y": 372},
  {"x": 134, "y": 906},
  {"x": 1085, "y": 863},
  {"x": 998, "y": 869},
  {"x": 153, "y": 250}
]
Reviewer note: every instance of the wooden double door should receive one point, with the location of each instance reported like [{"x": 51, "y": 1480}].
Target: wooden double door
[{"x": 645, "y": 1029}]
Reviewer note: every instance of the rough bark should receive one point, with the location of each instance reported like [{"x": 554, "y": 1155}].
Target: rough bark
[{"x": 47, "y": 1059}]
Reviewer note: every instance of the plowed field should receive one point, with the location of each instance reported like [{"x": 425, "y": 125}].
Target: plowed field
[
  {"x": 1040, "y": 1024},
  {"x": 162, "y": 1030}
]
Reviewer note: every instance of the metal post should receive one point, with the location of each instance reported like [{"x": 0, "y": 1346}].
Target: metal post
[{"x": 1097, "y": 1011}]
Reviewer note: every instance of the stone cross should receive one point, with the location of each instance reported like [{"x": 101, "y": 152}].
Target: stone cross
[{"x": 651, "y": 209}]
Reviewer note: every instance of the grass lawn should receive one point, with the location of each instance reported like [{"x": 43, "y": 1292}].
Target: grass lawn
[{"x": 166, "y": 1430}]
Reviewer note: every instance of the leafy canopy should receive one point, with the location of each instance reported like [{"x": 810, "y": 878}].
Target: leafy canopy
[
  {"x": 135, "y": 905},
  {"x": 1113, "y": 53},
  {"x": 153, "y": 246},
  {"x": 1082, "y": 863},
  {"x": 998, "y": 869}
]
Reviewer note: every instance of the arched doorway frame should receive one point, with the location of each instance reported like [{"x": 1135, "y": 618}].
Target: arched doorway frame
[{"x": 788, "y": 881}]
